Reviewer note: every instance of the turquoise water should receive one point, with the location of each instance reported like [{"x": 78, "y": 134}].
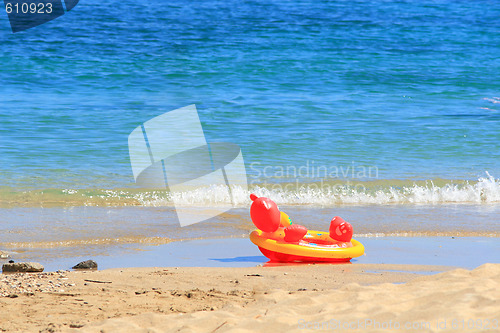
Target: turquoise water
[{"x": 410, "y": 88}]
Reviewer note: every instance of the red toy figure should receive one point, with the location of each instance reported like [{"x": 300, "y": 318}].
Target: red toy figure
[
  {"x": 294, "y": 233},
  {"x": 340, "y": 230},
  {"x": 264, "y": 213},
  {"x": 267, "y": 217}
]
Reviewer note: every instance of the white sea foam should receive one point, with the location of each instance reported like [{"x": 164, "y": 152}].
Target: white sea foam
[
  {"x": 494, "y": 100},
  {"x": 484, "y": 191}
]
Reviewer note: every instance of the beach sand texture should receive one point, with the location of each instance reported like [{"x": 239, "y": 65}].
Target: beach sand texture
[{"x": 350, "y": 298}]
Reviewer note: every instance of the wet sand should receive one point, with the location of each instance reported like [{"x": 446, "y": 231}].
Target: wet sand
[{"x": 464, "y": 252}]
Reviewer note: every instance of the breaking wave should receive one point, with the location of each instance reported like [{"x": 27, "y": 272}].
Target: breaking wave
[{"x": 485, "y": 190}]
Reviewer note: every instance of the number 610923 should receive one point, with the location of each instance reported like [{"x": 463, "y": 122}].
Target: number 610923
[{"x": 29, "y": 8}]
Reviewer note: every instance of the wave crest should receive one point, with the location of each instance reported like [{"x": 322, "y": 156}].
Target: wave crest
[{"x": 486, "y": 190}]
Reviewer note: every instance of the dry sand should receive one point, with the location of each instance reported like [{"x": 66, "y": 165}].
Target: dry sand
[{"x": 348, "y": 298}]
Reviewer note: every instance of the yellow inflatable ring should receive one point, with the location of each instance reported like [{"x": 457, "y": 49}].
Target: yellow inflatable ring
[{"x": 316, "y": 246}]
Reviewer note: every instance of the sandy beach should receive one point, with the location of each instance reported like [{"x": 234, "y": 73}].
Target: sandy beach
[{"x": 362, "y": 297}]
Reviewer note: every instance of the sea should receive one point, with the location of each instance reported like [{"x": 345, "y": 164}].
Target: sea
[{"x": 384, "y": 112}]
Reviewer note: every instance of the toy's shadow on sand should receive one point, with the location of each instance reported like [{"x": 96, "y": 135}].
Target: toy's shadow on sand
[
  {"x": 267, "y": 263},
  {"x": 259, "y": 259}
]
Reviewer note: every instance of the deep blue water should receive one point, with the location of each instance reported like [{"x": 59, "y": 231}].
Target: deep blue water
[{"x": 410, "y": 87}]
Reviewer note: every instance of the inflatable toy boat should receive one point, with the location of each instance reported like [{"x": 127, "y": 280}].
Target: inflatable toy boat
[{"x": 281, "y": 241}]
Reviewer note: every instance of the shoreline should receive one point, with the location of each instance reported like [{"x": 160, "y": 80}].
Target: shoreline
[
  {"x": 463, "y": 252},
  {"x": 281, "y": 298}
]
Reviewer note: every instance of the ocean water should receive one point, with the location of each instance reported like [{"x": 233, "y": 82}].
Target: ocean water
[{"x": 385, "y": 106}]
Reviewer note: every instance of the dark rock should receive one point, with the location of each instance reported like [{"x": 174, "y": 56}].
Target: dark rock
[
  {"x": 76, "y": 325},
  {"x": 87, "y": 264},
  {"x": 30, "y": 267}
]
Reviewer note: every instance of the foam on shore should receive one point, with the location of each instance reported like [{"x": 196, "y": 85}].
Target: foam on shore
[{"x": 484, "y": 190}]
